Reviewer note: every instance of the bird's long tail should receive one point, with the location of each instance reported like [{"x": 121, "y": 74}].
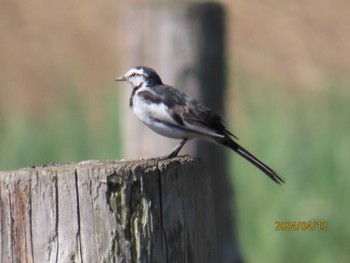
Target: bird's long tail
[{"x": 252, "y": 159}]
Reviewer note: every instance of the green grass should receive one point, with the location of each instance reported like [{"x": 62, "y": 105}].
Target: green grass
[
  {"x": 305, "y": 136},
  {"x": 69, "y": 131}
]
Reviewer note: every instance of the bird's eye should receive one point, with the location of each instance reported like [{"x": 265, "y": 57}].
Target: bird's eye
[{"x": 133, "y": 74}]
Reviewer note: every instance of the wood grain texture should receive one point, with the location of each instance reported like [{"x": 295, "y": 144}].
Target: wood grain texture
[{"x": 127, "y": 211}]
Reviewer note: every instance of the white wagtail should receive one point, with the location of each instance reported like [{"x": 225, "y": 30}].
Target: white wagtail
[{"x": 173, "y": 114}]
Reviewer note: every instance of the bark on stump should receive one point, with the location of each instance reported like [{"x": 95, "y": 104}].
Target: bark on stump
[{"x": 127, "y": 211}]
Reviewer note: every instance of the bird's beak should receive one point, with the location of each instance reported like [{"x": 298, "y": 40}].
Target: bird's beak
[{"x": 120, "y": 79}]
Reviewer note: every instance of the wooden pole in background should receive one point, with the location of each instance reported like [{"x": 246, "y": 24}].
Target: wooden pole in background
[
  {"x": 148, "y": 211},
  {"x": 185, "y": 44}
]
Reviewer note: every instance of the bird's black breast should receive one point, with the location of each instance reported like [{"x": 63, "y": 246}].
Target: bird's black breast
[{"x": 132, "y": 95}]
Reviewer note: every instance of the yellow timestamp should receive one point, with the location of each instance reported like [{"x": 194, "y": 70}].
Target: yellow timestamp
[{"x": 300, "y": 225}]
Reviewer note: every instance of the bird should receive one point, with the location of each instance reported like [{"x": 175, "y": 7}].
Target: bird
[{"x": 172, "y": 113}]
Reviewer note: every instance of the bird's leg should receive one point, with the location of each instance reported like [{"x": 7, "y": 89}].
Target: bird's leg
[{"x": 177, "y": 149}]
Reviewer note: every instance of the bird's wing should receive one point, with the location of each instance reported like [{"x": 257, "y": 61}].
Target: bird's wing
[
  {"x": 159, "y": 109},
  {"x": 200, "y": 115},
  {"x": 180, "y": 110}
]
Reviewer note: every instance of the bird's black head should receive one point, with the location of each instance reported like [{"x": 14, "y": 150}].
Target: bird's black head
[{"x": 139, "y": 75}]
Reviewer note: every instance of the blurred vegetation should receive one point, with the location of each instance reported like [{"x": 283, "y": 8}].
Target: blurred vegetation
[
  {"x": 305, "y": 136},
  {"x": 66, "y": 132}
]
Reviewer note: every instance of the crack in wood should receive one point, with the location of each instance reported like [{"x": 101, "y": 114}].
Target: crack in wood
[
  {"x": 78, "y": 217},
  {"x": 57, "y": 216},
  {"x": 163, "y": 232},
  {"x": 11, "y": 226},
  {"x": 30, "y": 220}
]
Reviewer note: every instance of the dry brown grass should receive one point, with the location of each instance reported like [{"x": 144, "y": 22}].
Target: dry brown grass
[
  {"x": 296, "y": 42},
  {"x": 46, "y": 47}
]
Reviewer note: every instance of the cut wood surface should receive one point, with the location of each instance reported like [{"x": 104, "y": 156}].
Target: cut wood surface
[{"x": 112, "y": 211}]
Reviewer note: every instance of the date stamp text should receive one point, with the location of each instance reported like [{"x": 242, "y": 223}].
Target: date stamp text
[{"x": 300, "y": 225}]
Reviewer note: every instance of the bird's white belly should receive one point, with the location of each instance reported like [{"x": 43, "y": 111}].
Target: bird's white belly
[{"x": 150, "y": 113}]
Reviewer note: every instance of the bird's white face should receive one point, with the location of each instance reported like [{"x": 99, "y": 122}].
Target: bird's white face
[{"x": 134, "y": 76}]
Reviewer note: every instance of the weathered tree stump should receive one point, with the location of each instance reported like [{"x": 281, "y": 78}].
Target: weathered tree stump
[{"x": 128, "y": 211}]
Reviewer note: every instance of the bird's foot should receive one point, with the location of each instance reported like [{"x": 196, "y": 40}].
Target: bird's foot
[{"x": 170, "y": 156}]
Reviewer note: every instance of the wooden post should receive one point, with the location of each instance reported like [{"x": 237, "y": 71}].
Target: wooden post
[
  {"x": 185, "y": 44},
  {"x": 148, "y": 211}
]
